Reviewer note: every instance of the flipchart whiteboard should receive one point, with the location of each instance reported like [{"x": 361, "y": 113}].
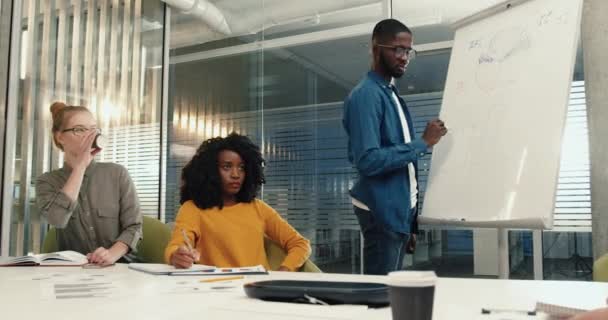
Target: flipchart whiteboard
[{"x": 505, "y": 104}]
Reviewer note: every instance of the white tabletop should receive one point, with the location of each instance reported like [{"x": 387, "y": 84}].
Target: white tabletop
[{"x": 44, "y": 293}]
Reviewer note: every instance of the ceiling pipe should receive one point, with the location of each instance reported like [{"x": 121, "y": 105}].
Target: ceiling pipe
[
  {"x": 204, "y": 10},
  {"x": 310, "y": 11},
  {"x": 282, "y": 12}
]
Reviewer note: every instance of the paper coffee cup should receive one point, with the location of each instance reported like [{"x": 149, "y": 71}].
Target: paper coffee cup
[
  {"x": 412, "y": 294},
  {"x": 412, "y": 278},
  {"x": 99, "y": 142}
]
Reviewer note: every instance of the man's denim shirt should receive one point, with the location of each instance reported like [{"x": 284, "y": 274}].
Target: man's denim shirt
[{"x": 377, "y": 150}]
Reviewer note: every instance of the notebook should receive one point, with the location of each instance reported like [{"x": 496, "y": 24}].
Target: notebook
[
  {"x": 60, "y": 258},
  {"x": 195, "y": 270},
  {"x": 558, "y": 311}
]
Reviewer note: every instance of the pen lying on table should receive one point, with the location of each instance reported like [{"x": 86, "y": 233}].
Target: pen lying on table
[{"x": 222, "y": 279}]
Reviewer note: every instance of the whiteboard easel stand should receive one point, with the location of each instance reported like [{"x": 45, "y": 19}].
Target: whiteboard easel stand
[
  {"x": 537, "y": 253},
  {"x": 487, "y": 12},
  {"x": 503, "y": 233},
  {"x": 503, "y": 253}
]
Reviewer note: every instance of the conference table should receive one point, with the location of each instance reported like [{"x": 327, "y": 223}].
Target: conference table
[{"x": 117, "y": 292}]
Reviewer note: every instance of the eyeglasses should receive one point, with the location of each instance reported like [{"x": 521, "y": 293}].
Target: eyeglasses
[
  {"x": 401, "y": 52},
  {"x": 81, "y": 131}
]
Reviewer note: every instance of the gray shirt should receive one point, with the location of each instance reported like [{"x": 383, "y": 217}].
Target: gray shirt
[{"x": 107, "y": 209}]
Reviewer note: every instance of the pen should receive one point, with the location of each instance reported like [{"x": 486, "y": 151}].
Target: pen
[
  {"x": 187, "y": 240},
  {"x": 488, "y": 311},
  {"x": 95, "y": 266},
  {"x": 222, "y": 279}
]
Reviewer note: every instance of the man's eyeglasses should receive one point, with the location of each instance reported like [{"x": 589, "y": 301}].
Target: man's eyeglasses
[
  {"x": 401, "y": 52},
  {"x": 81, "y": 131}
]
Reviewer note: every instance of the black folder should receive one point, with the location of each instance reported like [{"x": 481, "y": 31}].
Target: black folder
[{"x": 320, "y": 292}]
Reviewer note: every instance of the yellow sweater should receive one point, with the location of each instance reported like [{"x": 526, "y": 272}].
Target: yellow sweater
[{"x": 234, "y": 236}]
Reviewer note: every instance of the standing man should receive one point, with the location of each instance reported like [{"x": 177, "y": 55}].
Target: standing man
[{"x": 384, "y": 150}]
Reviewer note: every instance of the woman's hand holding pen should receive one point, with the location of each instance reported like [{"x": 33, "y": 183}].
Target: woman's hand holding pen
[{"x": 183, "y": 257}]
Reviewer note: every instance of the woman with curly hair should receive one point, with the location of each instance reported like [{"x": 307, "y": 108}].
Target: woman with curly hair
[{"x": 221, "y": 216}]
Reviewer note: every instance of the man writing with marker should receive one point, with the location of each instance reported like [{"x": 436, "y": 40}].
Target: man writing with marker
[{"x": 384, "y": 150}]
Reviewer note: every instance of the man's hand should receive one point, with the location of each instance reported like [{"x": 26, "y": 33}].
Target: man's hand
[
  {"x": 410, "y": 246},
  {"x": 435, "y": 129}
]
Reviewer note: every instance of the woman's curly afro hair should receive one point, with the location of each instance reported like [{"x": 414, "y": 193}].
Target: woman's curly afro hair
[{"x": 201, "y": 181}]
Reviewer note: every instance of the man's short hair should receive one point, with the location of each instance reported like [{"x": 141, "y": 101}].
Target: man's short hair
[{"x": 386, "y": 30}]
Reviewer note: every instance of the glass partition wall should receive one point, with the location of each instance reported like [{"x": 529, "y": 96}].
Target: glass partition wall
[
  {"x": 274, "y": 70},
  {"x": 102, "y": 54},
  {"x": 280, "y": 74}
]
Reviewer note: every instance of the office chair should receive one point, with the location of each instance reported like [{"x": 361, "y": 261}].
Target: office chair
[
  {"x": 276, "y": 254},
  {"x": 600, "y": 269}
]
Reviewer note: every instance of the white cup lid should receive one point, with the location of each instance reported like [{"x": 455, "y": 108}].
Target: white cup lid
[{"x": 412, "y": 278}]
